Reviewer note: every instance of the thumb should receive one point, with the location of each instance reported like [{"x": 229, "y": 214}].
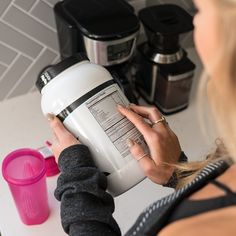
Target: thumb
[{"x": 57, "y": 127}]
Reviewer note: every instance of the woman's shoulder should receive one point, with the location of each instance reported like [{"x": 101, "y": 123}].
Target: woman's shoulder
[
  {"x": 215, "y": 222},
  {"x": 218, "y": 222}
]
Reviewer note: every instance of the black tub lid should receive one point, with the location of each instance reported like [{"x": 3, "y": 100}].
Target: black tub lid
[
  {"x": 166, "y": 19},
  {"x": 51, "y": 71},
  {"x": 102, "y": 19}
]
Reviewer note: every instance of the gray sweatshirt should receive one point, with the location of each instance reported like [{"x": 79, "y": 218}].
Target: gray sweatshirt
[{"x": 86, "y": 207}]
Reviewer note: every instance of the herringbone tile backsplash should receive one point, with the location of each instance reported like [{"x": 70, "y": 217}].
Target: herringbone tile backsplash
[{"x": 28, "y": 42}]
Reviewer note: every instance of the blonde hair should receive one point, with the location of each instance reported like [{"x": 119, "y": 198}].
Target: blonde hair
[{"x": 221, "y": 97}]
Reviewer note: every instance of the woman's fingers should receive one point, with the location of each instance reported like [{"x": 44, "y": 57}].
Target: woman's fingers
[
  {"x": 151, "y": 113},
  {"x": 137, "y": 120},
  {"x": 154, "y": 172},
  {"x": 150, "y": 133},
  {"x": 62, "y": 138},
  {"x": 56, "y": 126},
  {"x": 142, "y": 157}
]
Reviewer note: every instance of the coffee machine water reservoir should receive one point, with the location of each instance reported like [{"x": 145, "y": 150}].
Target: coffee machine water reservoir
[{"x": 165, "y": 73}]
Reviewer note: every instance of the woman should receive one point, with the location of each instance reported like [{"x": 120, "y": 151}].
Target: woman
[{"x": 206, "y": 204}]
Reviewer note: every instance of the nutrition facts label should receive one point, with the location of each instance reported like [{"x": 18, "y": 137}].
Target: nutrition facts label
[{"x": 117, "y": 127}]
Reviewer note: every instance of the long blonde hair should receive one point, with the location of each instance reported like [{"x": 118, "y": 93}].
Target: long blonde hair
[{"x": 221, "y": 97}]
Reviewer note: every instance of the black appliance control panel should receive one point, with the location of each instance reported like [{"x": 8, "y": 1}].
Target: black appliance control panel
[{"x": 119, "y": 51}]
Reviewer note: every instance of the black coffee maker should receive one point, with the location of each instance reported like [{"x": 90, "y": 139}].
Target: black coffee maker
[
  {"x": 165, "y": 73},
  {"x": 106, "y": 31}
]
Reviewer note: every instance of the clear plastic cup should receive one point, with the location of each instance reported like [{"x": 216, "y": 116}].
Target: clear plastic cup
[{"x": 25, "y": 172}]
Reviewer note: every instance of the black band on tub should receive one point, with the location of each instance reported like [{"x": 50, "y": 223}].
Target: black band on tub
[{"x": 68, "y": 110}]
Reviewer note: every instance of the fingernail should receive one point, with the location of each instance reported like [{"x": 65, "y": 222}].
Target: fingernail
[
  {"x": 120, "y": 106},
  {"x": 50, "y": 117},
  {"x": 130, "y": 106},
  {"x": 130, "y": 142}
]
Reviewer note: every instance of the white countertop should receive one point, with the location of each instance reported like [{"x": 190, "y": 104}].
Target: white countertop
[{"x": 22, "y": 125}]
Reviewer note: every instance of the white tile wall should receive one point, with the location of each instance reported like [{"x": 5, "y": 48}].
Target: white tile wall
[
  {"x": 28, "y": 41},
  {"x": 25, "y": 5}
]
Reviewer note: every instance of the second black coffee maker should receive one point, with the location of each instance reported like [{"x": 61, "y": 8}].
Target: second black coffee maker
[{"x": 165, "y": 73}]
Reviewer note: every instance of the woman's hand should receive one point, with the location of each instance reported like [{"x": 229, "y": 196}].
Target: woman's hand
[
  {"x": 162, "y": 142},
  {"x": 62, "y": 138}
]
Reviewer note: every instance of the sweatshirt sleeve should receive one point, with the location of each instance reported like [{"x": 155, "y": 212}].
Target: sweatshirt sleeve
[{"x": 86, "y": 207}]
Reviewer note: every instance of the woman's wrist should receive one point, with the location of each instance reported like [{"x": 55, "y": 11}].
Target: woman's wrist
[{"x": 173, "y": 180}]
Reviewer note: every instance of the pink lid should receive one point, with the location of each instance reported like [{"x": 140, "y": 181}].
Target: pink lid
[
  {"x": 23, "y": 166},
  {"x": 50, "y": 161},
  {"x": 51, "y": 166}
]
